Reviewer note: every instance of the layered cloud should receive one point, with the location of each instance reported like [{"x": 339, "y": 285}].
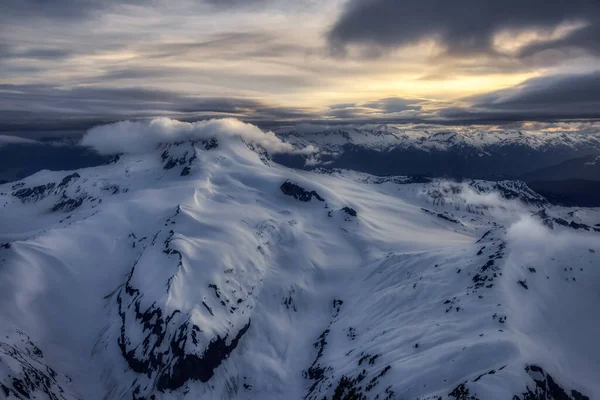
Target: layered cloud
[
  {"x": 552, "y": 98},
  {"x": 547, "y": 98},
  {"x": 140, "y": 137},
  {"x": 7, "y": 139}
]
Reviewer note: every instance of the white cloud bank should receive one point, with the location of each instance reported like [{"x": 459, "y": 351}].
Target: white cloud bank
[{"x": 143, "y": 136}]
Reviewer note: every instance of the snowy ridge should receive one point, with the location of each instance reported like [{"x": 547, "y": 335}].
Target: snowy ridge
[
  {"x": 387, "y": 137},
  {"x": 201, "y": 269}
]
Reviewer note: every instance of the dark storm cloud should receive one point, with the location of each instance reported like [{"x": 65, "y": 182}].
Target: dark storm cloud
[
  {"x": 462, "y": 26},
  {"x": 548, "y": 98}
]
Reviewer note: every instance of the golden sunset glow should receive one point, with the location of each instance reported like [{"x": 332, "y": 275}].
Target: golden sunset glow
[{"x": 297, "y": 60}]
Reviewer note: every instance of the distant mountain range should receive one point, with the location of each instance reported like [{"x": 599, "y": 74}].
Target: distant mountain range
[
  {"x": 18, "y": 161},
  {"x": 585, "y": 168},
  {"x": 386, "y": 150},
  {"x": 574, "y": 182}
]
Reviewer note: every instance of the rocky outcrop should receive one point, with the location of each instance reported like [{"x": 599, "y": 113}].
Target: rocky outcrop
[
  {"x": 546, "y": 388},
  {"x": 299, "y": 193},
  {"x": 25, "y": 374}
]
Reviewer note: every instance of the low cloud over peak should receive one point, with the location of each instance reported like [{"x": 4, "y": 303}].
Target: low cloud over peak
[{"x": 143, "y": 136}]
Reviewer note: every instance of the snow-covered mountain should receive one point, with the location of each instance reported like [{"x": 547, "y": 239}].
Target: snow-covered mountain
[
  {"x": 384, "y": 137},
  {"x": 386, "y": 150},
  {"x": 202, "y": 269}
]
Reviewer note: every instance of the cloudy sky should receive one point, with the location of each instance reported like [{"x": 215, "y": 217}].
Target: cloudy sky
[{"x": 66, "y": 64}]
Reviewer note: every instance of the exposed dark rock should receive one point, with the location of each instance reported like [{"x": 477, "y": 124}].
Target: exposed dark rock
[
  {"x": 168, "y": 349},
  {"x": 443, "y": 216},
  {"x": 68, "y": 204},
  {"x": 27, "y": 195},
  {"x": 35, "y": 193},
  {"x": 488, "y": 272},
  {"x": 210, "y": 144},
  {"x": 67, "y": 179},
  {"x": 573, "y": 224},
  {"x": 193, "y": 367},
  {"x": 208, "y": 308},
  {"x": 501, "y": 318},
  {"x": 315, "y": 372},
  {"x": 491, "y": 372},
  {"x": 351, "y": 333},
  {"x": 177, "y": 365},
  {"x": 518, "y": 190},
  {"x": 523, "y": 283},
  {"x": 346, "y": 389},
  {"x": 546, "y": 387},
  {"x": 484, "y": 236},
  {"x": 115, "y": 159},
  {"x": 416, "y": 179},
  {"x": 351, "y": 388},
  {"x": 337, "y": 304},
  {"x": 461, "y": 392},
  {"x": 291, "y": 189},
  {"x": 448, "y": 218},
  {"x": 350, "y": 211},
  {"x": 185, "y": 171},
  {"x": 34, "y": 376},
  {"x": 113, "y": 189},
  {"x": 171, "y": 162},
  {"x": 288, "y": 302}
]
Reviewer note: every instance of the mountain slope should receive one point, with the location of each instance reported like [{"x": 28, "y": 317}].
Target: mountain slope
[
  {"x": 202, "y": 269},
  {"x": 570, "y": 192},
  {"x": 575, "y": 182},
  {"x": 587, "y": 168}
]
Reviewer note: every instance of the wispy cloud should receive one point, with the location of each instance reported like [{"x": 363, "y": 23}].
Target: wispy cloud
[{"x": 6, "y": 139}]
